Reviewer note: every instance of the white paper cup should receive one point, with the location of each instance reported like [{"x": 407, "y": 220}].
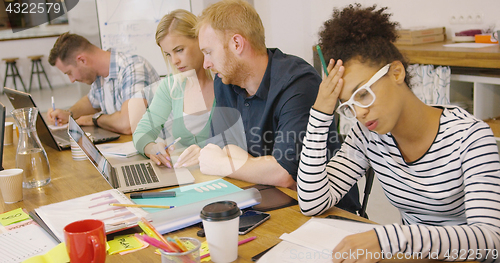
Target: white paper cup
[
  {"x": 9, "y": 134},
  {"x": 11, "y": 185},
  {"x": 76, "y": 151},
  {"x": 220, "y": 222}
]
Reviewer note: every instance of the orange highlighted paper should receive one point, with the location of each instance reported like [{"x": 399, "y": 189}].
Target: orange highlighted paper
[{"x": 485, "y": 38}]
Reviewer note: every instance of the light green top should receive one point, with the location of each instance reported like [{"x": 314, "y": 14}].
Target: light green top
[{"x": 169, "y": 98}]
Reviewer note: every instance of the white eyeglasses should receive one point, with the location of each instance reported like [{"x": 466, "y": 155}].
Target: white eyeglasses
[{"x": 363, "y": 97}]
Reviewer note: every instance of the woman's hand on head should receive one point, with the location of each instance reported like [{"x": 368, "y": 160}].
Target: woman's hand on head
[
  {"x": 330, "y": 88},
  {"x": 355, "y": 248},
  {"x": 158, "y": 154}
]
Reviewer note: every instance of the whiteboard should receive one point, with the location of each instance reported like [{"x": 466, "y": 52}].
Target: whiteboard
[{"x": 129, "y": 26}]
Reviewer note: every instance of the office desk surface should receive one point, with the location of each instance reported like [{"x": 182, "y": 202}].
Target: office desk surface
[
  {"x": 71, "y": 179},
  {"x": 437, "y": 54}
]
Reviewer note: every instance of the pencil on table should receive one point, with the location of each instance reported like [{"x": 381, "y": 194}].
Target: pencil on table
[{"x": 147, "y": 206}]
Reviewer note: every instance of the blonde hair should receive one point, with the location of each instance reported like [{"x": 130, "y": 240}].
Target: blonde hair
[
  {"x": 179, "y": 21},
  {"x": 235, "y": 17},
  {"x": 182, "y": 22}
]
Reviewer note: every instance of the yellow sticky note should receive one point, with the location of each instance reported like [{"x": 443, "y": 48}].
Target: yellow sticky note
[
  {"x": 13, "y": 216},
  {"x": 118, "y": 245},
  {"x": 204, "y": 250},
  {"x": 144, "y": 245},
  {"x": 58, "y": 254},
  {"x": 122, "y": 236}
]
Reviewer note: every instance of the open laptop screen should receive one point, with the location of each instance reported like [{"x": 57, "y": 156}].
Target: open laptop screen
[
  {"x": 2, "y": 130},
  {"x": 95, "y": 156},
  {"x": 21, "y": 99}
]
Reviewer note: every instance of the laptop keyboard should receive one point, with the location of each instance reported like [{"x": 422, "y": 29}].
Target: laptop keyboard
[{"x": 137, "y": 174}]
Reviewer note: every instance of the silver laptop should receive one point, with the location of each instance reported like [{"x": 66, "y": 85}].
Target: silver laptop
[
  {"x": 2, "y": 130},
  {"x": 128, "y": 174},
  {"x": 57, "y": 139}
]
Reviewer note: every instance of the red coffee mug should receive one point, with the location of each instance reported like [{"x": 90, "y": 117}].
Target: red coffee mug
[{"x": 86, "y": 241}]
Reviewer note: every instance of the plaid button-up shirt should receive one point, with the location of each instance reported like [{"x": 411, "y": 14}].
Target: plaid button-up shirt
[{"x": 128, "y": 75}]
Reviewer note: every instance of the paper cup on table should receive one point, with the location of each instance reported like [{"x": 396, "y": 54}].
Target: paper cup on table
[
  {"x": 221, "y": 221},
  {"x": 192, "y": 255},
  {"x": 11, "y": 185},
  {"x": 76, "y": 151},
  {"x": 9, "y": 134}
]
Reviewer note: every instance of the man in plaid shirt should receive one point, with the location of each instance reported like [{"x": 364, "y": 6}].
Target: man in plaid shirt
[{"x": 114, "y": 78}]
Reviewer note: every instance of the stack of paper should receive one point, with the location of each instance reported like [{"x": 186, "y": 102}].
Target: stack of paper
[
  {"x": 23, "y": 237},
  {"x": 59, "y": 127},
  {"x": 191, "y": 199},
  {"x": 93, "y": 206},
  {"x": 125, "y": 149},
  {"x": 420, "y": 35},
  {"x": 23, "y": 243},
  {"x": 314, "y": 241}
]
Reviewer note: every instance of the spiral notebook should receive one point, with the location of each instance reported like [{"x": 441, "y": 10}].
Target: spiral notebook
[
  {"x": 22, "y": 243},
  {"x": 95, "y": 206}
]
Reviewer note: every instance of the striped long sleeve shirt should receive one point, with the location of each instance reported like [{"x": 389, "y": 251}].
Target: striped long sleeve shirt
[{"x": 449, "y": 199}]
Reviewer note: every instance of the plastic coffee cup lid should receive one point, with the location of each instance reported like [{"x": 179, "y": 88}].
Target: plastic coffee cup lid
[{"x": 220, "y": 211}]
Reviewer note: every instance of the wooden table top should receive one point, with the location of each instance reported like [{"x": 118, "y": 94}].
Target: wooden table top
[
  {"x": 71, "y": 179},
  {"x": 437, "y": 54}
]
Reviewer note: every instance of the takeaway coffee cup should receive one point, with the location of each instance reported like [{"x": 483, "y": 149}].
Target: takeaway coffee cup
[
  {"x": 86, "y": 241},
  {"x": 11, "y": 185},
  {"x": 9, "y": 133},
  {"x": 221, "y": 221},
  {"x": 76, "y": 151}
]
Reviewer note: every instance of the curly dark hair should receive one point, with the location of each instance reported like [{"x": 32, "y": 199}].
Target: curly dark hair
[{"x": 361, "y": 33}]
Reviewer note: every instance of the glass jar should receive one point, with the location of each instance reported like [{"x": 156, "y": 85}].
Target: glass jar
[{"x": 30, "y": 156}]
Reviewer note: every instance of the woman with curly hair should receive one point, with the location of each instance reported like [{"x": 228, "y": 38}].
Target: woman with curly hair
[{"x": 438, "y": 165}]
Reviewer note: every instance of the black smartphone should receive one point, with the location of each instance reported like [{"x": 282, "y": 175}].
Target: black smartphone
[{"x": 250, "y": 219}]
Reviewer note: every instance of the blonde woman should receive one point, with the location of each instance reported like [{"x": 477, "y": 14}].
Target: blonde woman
[{"x": 187, "y": 95}]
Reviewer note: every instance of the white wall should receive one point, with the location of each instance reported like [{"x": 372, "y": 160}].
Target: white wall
[
  {"x": 83, "y": 21},
  {"x": 293, "y": 25},
  {"x": 30, "y": 47}
]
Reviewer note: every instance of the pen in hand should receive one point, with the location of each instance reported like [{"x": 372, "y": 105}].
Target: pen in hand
[
  {"x": 325, "y": 68},
  {"x": 322, "y": 59},
  {"x": 54, "y": 108},
  {"x": 172, "y": 143}
]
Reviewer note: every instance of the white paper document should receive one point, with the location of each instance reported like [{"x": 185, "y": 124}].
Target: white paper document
[
  {"x": 125, "y": 149},
  {"x": 313, "y": 241},
  {"x": 52, "y": 127},
  {"x": 25, "y": 242},
  {"x": 470, "y": 45},
  {"x": 93, "y": 206}
]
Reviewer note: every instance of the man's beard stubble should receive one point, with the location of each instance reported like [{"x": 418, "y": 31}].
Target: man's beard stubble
[{"x": 236, "y": 72}]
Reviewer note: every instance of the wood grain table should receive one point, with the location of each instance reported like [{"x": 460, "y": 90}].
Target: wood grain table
[{"x": 71, "y": 179}]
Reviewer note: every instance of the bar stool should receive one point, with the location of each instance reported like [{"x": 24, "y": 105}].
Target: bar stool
[
  {"x": 11, "y": 63},
  {"x": 36, "y": 61}
]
